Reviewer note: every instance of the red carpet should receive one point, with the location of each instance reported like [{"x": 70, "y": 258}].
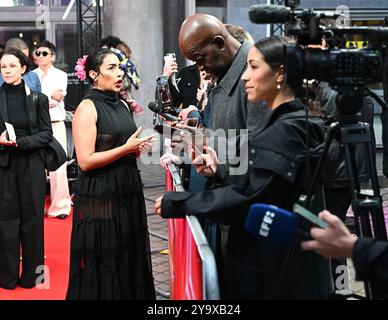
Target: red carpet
[{"x": 57, "y": 252}]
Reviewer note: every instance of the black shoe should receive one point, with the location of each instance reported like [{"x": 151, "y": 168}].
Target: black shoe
[{"x": 62, "y": 216}]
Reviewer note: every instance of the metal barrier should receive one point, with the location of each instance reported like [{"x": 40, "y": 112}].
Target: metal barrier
[{"x": 193, "y": 271}]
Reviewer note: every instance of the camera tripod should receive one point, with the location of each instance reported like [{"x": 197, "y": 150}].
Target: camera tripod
[{"x": 350, "y": 132}]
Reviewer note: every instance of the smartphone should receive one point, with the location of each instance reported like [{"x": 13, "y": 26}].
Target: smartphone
[
  {"x": 170, "y": 56},
  {"x": 11, "y": 135},
  {"x": 197, "y": 142},
  {"x": 309, "y": 216},
  {"x": 163, "y": 91}
]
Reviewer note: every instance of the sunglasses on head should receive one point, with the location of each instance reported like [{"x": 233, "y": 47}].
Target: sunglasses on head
[{"x": 43, "y": 53}]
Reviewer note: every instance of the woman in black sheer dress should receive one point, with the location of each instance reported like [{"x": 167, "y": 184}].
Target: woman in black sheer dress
[{"x": 110, "y": 249}]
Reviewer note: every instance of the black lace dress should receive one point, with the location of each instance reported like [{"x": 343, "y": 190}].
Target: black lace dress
[{"x": 110, "y": 248}]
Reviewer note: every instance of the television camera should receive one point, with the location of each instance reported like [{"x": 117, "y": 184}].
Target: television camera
[{"x": 345, "y": 69}]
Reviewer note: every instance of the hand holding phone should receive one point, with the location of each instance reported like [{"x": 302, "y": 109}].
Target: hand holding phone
[
  {"x": 170, "y": 65},
  {"x": 205, "y": 163},
  {"x": 10, "y": 132},
  {"x": 309, "y": 216},
  {"x": 8, "y": 137}
]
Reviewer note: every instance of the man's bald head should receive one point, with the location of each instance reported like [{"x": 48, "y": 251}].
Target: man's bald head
[
  {"x": 205, "y": 39},
  {"x": 200, "y": 28}
]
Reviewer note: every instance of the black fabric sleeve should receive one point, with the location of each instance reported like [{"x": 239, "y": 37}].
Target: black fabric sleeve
[
  {"x": 221, "y": 175},
  {"x": 227, "y": 205},
  {"x": 370, "y": 258},
  {"x": 42, "y": 138},
  {"x": 175, "y": 95}
]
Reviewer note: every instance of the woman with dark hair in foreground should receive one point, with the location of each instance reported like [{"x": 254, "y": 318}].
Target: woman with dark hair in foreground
[{"x": 110, "y": 249}]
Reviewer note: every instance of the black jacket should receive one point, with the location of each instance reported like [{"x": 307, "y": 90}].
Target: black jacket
[
  {"x": 188, "y": 83},
  {"x": 370, "y": 258},
  {"x": 279, "y": 171},
  {"x": 39, "y": 122}
]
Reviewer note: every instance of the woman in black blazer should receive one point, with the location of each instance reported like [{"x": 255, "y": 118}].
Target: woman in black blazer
[{"x": 22, "y": 175}]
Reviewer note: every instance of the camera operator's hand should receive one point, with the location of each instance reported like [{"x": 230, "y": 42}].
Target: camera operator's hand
[
  {"x": 335, "y": 241},
  {"x": 134, "y": 143},
  {"x": 169, "y": 68},
  {"x": 206, "y": 163},
  {"x": 5, "y": 142}
]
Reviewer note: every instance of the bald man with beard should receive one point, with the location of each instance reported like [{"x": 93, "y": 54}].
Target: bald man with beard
[{"x": 205, "y": 40}]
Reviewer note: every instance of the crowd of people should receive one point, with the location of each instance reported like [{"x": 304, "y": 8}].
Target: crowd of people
[{"x": 233, "y": 83}]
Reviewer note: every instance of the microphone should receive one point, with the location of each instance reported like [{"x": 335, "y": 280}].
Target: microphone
[
  {"x": 274, "y": 224},
  {"x": 262, "y": 13},
  {"x": 154, "y": 107}
]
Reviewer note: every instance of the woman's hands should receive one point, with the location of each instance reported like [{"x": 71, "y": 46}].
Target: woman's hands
[
  {"x": 145, "y": 147},
  {"x": 158, "y": 206},
  {"x": 5, "y": 142},
  {"x": 139, "y": 145}
]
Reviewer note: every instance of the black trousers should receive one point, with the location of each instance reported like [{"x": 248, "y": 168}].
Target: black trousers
[{"x": 22, "y": 193}]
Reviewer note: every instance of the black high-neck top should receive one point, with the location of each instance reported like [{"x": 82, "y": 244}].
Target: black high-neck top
[
  {"x": 115, "y": 122},
  {"x": 16, "y": 98}
]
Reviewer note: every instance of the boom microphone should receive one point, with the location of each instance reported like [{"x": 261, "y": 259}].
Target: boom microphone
[
  {"x": 154, "y": 107},
  {"x": 262, "y": 13}
]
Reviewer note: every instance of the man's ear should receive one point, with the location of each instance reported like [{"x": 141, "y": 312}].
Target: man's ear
[{"x": 219, "y": 41}]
